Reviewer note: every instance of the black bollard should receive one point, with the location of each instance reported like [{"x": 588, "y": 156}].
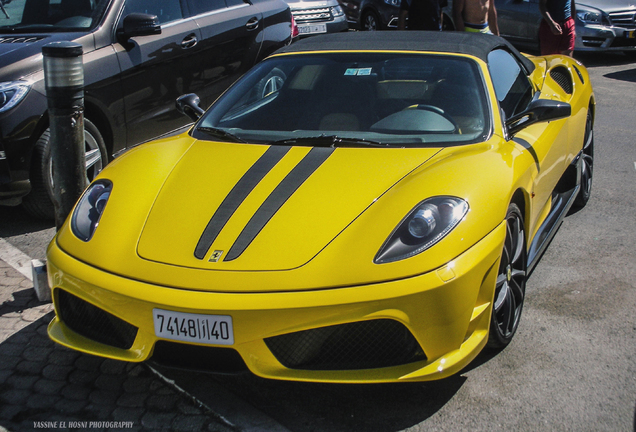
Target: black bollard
[{"x": 64, "y": 82}]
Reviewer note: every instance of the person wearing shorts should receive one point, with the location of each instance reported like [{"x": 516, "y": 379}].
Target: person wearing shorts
[
  {"x": 557, "y": 33},
  {"x": 476, "y": 16}
]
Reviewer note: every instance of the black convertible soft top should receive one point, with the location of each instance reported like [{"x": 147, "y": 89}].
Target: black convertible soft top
[{"x": 474, "y": 44}]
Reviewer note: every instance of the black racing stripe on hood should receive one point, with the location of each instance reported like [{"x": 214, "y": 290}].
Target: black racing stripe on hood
[
  {"x": 237, "y": 195},
  {"x": 277, "y": 198}
]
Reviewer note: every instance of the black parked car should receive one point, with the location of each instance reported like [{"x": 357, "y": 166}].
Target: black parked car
[
  {"x": 132, "y": 74},
  {"x": 382, "y": 14}
]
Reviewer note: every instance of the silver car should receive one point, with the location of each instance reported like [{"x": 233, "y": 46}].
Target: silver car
[
  {"x": 601, "y": 25},
  {"x": 318, "y": 16}
]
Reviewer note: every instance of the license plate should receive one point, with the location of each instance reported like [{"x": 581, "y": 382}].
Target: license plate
[
  {"x": 200, "y": 328},
  {"x": 630, "y": 34},
  {"x": 312, "y": 28}
]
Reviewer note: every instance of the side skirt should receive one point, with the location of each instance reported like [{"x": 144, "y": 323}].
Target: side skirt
[{"x": 563, "y": 197}]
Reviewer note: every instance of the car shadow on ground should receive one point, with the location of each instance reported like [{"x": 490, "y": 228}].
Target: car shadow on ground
[
  {"x": 627, "y": 75},
  {"x": 15, "y": 221},
  {"x": 343, "y": 407},
  {"x": 46, "y": 386},
  {"x": 591, "y": 60}
]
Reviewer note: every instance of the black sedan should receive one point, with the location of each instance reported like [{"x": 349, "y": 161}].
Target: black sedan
[{"x": 139, "y": 56}]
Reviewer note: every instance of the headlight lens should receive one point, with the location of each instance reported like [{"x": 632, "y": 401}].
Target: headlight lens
[
  {"x": 90, "y": 208},
  {"x": 428, "y": 223},
  {"x": 588, "y": 15},
  {"x": 393, "y": 2},
  {"x": 337, "y": 11},
  {"x": 11, "y": 93}
]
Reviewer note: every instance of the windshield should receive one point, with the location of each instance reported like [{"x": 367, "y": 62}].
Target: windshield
[
  {"x": 354, "y": 99},
  {"x": 29, "y": 16}
]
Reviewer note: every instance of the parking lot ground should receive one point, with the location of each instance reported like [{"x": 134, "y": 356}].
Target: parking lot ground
[{"x": 48, "y": 387}]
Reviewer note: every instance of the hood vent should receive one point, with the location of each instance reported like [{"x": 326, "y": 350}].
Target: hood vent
[
  {"x": 563, "y": 78},
  {"x": 20, "y": 39}
]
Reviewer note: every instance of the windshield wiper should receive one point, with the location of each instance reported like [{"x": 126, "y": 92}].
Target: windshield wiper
[
  {"x": 220, "y": 133},
  {"x": 329, "y": 141}
]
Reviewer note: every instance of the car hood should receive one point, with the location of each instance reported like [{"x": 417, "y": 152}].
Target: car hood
[
  {"x": 610, "y": 5},
  {"x": 17, "y": 51},
  {"x": 254, "y": 207},
  {"x": 311, "y": 4}
]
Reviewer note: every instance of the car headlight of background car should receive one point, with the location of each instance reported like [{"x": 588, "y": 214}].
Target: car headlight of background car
[
  {"x": 90, "y": 208},
  {"x": 393, "y": 2},
  {"x": 337, "y": 11},
  {"x": 428, "y": 223},
  {"x": 588, "y": 15},
  {"x": 11, "y": 93}
]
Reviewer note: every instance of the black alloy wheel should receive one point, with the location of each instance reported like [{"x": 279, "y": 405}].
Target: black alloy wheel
[
  {"x": 370, "y": 21},
  {"x": 38, "y": 202},
  {"x": 510, "y": 288},
  {"x": 587, "y": 164}
]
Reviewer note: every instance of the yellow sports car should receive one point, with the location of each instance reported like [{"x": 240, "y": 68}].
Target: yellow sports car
[{"x": 359, "y": 207}]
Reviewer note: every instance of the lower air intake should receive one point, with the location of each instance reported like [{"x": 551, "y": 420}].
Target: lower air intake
[
  {"x": 94, "y": 323},
  {"x": 197, "y": 358},
  {"x": 360, "y": 345}
]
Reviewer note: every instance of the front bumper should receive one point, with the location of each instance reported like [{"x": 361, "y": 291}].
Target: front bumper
[
  {"x": 604, "y": 38},
  {"x": 446, "y": 311}
]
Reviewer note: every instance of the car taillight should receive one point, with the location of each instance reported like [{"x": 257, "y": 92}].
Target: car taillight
[{"x": 294, "y": 28}]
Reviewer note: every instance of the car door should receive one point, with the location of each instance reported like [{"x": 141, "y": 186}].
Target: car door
[
  {"x": 157, "y": 69},
  {"x": 512, "y": 18},
  {"x": 231, "y": 31},
  {"x": 546, "y": 142}
]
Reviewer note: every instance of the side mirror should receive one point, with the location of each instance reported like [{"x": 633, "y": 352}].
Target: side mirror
[
  {"x": 189, "y": 105},
  {"x": 539, "y": 110},
  {"x": 138, "y": 24}
]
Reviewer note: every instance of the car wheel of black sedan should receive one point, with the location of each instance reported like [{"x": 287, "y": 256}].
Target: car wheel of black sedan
[
  {"x": 510, "y": 289},
  {"x": 587, "y": 164},
  {"x": 370, "y": 21},
  {"x": 38, "y": 202}
]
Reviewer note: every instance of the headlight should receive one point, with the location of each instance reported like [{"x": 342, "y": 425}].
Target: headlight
[
  {"x": 589, "y": 15},
  {"x": 11, "y": 93},
  {"x": 393, "y": 2},
  {"x": 428, "y": 223},
  {"x": 337, "y": 11},
  {"x": 90, "y": 208}
]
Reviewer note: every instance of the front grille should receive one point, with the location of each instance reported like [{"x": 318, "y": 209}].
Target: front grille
[
  {"x": 94, "y": 323},
  {"x": 623, "y": 19},
  {"x": 360, "y": 345},
  {"x": 312, "y": 15},
  {"x": 563, "y": 78},
  {"x": 197, "y": 357}
]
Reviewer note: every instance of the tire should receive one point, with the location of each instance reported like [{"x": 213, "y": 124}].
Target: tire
[
  {"x": 38, "y": 202},
  {"x": 587, "y": 164},
  {"x": 510, "y": 289},
  {"x": 370, "y": 21}
]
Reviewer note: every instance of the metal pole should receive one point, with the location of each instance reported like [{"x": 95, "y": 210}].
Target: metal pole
[{"x": 64, "y": 82}]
